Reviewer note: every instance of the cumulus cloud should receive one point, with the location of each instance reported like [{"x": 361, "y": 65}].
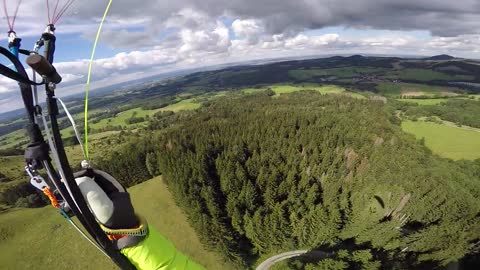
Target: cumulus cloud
[
  {"x": 188, "y": 33},
  {"x": 250, "y": 30},
  {"x": 442, "y": 18},
  {"x": 7, "y": 85}
]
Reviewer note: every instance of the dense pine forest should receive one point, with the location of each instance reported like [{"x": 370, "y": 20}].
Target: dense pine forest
[{"x": 259, "y": 175}]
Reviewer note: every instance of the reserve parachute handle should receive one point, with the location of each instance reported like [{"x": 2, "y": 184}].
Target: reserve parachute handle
[{"x": 39, "y": 64}]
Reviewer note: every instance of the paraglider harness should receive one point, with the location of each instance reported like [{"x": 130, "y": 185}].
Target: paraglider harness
[{"x": 61, "y": 187}]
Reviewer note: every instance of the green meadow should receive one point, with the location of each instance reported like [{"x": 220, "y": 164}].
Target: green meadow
[
  {"x": 121, "y": 118},
  {"x": 447, "y": 140},
  {"x": 286, "y": 89},
  {"x": 430, "y": 101},
  {"x": 397, "y": 89}
]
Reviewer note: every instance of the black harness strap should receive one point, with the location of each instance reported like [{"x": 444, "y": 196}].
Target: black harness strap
[
  {"x": 37, "y": 155},
  {"x": 15, "y": 75}
]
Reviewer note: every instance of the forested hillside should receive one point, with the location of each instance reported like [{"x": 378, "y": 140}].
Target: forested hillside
[{"x": 258, "y": 175}]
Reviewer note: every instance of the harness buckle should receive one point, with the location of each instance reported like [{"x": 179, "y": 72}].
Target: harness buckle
[{"x": 36, "y": 180}]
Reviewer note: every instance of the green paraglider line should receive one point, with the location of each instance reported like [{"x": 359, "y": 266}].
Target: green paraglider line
[{"x": 87, "y": 86}]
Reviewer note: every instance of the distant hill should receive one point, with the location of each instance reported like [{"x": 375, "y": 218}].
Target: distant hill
[{"x": 441, "y": 57}]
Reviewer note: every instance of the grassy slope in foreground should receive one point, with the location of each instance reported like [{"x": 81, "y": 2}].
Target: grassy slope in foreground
[
  {"x": 42, "y": 239},
  {"x": 447, "y": 141}
]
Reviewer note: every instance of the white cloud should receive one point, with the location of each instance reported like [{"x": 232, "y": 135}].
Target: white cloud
[
  {"x": 7, "y": 85},
  {"x": 250, "y": 30},
  {"x": 215, "y": 40},
  {"x": 189, "y": 33},
  {"x": 302, "y": 41}
]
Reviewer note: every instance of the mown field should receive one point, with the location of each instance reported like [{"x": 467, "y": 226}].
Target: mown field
[
  {"x": 121, "y": 118},
  {"x": 285, "y": 89},
  {"x": 428, "y": 101},
  {"x": 42, "y": 239},
  {"x": 436, "y": 101},
  {"x": 446, "y": 140},
  {"x": 412, "y": 89}
]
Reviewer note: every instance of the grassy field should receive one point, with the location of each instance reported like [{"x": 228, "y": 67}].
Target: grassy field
[
  {"x": 12, "y": 168},
  {"x": 120, "y": 119},
  {"x": 397, "y": 89},
  {"x": 42, "y": 239},
  {"x": 430, "y": 101},
  {"x": 12, "y": 139},
  {"x": 475, "y": 97},
  {"x": 285, "y": 89},
  {"x": 184, "y": 105},
  {"x": 447, "y": 140}
]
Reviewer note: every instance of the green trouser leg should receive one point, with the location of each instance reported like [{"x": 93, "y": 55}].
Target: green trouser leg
[{"x": 158, "y": 253}]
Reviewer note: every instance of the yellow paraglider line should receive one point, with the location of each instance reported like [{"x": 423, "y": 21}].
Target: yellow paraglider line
[{"x": 87, "y": 86}]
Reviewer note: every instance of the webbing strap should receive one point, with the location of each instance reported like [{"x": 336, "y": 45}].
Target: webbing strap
[
  {"x": 14, "y": 75},
  {"x": 124, "y": 238},
  {"x": 72, "y": 121},
  {"x": 141, "y": 230}
]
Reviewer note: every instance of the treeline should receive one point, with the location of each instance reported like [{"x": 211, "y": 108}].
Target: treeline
[
  {"x": 261, "y": 175},
  {"x": 461, "y": 111}
]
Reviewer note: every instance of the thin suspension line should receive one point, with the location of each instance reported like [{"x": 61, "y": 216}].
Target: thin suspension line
[
  {"x": 62, "y": 11},
  {"x": 55, "y": 9},
  {"x": 15, "y": 14},
  {"x": 6, "y": 14},
  {"x": 48, "y": 11},
  {"x": 87, "y": 85}
]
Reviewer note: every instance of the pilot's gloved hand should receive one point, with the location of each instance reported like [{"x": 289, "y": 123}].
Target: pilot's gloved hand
[
  {"x": 112, "y": 207},
  {"x": 107, "y": 199}
]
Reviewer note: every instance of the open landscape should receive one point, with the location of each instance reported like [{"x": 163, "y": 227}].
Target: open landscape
[
  {"x": 410, "y": 109},
  {"x": 232, "y": 135}
]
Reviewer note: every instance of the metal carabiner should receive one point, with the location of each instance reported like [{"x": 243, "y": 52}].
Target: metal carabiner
[{"x": 36, "y": 180}]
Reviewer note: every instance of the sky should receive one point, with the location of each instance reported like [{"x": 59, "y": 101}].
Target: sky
[{"x": 149, "y": 37}]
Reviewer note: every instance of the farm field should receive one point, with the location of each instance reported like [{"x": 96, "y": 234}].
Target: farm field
[
  {"x": 411, "y": 89},
  {"x": 430, "y": 101},
  {"x": 13, "y": 139},
  {"x": 285, "y": 89},
  {"x": 121, "y": 118},
  {"x": 446, "y": 140}
]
